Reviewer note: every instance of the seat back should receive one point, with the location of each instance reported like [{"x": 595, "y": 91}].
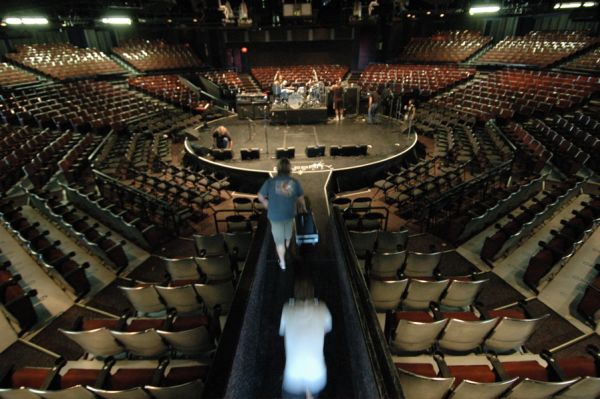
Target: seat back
[
  {"x": 183, "y": 299},
  {"x": 461, "y": 294},
  {"x": 238, "y": 244},
  {"x": 586, "y": 388},
  {"x": 209, "y": 245},
  {"x": 143, "y": 299},
  {"x": 18, "y": 393},
  {"x": 413, "y": 336},
  {"x": 133, "y": 393},
  {"x": 418, "y": 387},
  {"x": 386, "y": 265},
  {"x": 141, "y": 343},
  {"x": 465, "y": 336},
  {"x": 216, "y": 295},
  {"x": 533, "y": 389},
  {"x": 216, "y": 267},
  {"x": 421, "y": 265},
  {"x": 386, "y": 295},
  {"x": 421, "y": 293},
  {"x": 75, "y": 392},
  {"x": 392, "y": 241},
  {"x": 195, "y": 341},
  {"x": 511, "y": 334},
  {"x": 98, "y": 342},
  {"x": 188, "y": 390},
  {"x": 182, "y": 269},
  {"x": 363, "y": 242},
  {"x": 471, "y": 389}
]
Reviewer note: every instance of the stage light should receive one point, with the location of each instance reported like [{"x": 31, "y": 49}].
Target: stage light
[
  {"x": 244, "y": 50},
  {"x": 484, "y": 9},
  {"x": 442, "y": 15},
  {"x": 26, "y": 21},
  {"x": 428, "y": 12},
  {"x": 562, "y": 6},
  {"x": 117, "y": 20}
]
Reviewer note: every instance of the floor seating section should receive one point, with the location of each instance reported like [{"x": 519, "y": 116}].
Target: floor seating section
[
  {"x": 299, "y": 73},
  {"x": 523, "y": 224},
  {"x": 545, "y": 264},
  {"x": 490, "y": 377},
  {"x": 15, "y": 300},
  {"x": 80, "y": 106},
  {"x": 60, "y": 266},
  {"x": 541, "y": 49},
  {"x": 171, "y": 89},
  {"x": 531, "y": 153},
  {"x": 75, "y": 166},
  {"x": 505, "y": 93},
  {"x": 589, "y": 61},
  {"x": 589, "y": 305},
  {"x": 445, "y": 46},
  {"x": 164, "y": 379},
  {"x": 10, "y": 75},
  {"x": 63, "y": 61},
  {"x": 156, "y": 55},
  {"x": 232, "y": 81},
  {"x": 426, "y": 80}
]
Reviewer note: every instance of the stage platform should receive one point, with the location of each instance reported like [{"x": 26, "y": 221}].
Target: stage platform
[
  {"x": 388, "y": 143},
  {"x": 285, "y": 115}
]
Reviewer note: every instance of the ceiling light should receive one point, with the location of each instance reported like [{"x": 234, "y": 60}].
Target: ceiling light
[
  {"x": 590, "y": 4},
  {"x": 442, "y": 15},
  {"x": 573, "y": 4},
  {"x": 117, "y": 20},
  {"x": 484, "y": 9},
  {"x": 428, "y": 12},
  {"x": 26, "y": 21}
]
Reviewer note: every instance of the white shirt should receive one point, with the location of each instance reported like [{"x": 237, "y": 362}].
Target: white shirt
[{"x": 304, "y": 325}]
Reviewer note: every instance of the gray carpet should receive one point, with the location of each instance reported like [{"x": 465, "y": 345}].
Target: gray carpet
[
  {"x": 497, "y": 292},
  {"x": 578, "y": 348},
  {"x": 111, "y": 299},
  {"x": 22, "y": 355}
]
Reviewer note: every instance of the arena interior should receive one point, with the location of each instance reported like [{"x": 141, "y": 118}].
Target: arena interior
[{"x": 457, "y": 198}]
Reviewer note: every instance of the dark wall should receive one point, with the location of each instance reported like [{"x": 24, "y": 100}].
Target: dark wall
[{"x": 299, "y": 53}]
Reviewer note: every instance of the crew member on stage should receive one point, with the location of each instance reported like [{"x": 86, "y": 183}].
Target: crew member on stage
[
  {"x": 374, "y": 101},
  {"x": 338, "y": 99},
  {"x": 222, "y": 139},
  {"x": 411, "y": 113},
  {"x": 276, "y": 87}
]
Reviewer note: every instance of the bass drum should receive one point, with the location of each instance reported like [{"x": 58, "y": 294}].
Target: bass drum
[{"x": 295, "y": 101}]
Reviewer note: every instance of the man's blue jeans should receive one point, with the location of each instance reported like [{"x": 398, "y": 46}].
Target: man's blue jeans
[{"x": 372, "y": 112}]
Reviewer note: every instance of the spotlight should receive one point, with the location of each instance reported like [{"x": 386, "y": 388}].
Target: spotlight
[
  {"x": 484, "y": 9},
  {"x": 26, "y": 21},
  {"x": 117, "y": 20}
]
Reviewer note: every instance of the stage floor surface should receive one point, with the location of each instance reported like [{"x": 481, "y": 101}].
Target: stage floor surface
[{"x": 387, "y": 139}]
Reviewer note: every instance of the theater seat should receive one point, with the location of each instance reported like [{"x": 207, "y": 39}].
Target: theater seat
[
  {"x": 477, "y": 390},
  {"x": 584, "y": 388},
  {"x": 133, "y": 393},
  {"x": 533, "y": 389},
  {"x": 418, "y": 387},
  {"x": 75, "y": 392},
  {"x": 97, "y": 342},
  {"x": 511, "y": 334},
  {"x": 414, "y": 337},
  {"x": 187, "y": 390},
  {"x": 387, "y": 295}
]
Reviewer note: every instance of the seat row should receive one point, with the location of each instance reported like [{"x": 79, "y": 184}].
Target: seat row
[
  {"x": 15, "y": 301},
  {"x": 124, "y": 379},
  {"x": 154, "y": 55},
  {"x": 531, "y": 152},
  {"x": 75, "y": 164},
  {"x": 491, "y": 377},
  {"x": 586, "y": 141},
  {"x": 329, "y": 74},
  {"x": 554, "y": 254},
  {"x": 522, "y": 225},
  {"x": 589, "y": 61},
  {"x": 445, "y": 46},
  {"x": 170, "y": 88},
  {"x": 69, "y": 274},
  {"x": 12, "y": 76},
  {"x": 589, "y": 305},
  {"x": 77, "y": 225}
]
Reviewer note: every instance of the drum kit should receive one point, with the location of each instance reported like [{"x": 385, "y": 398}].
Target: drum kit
[{"x": 303, "y": 96}]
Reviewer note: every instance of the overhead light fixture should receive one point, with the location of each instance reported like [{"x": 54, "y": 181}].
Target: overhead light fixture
[
  {"x": 572, "y": 4},
  {"x": 442, "y": 15},
  {"x": 26, "y": 21},
  {"x": 428, "y": 12},
  {"x": 117, "y": 20},
  {"x": 590, "y": 4},
  {"x": 484, "y": 9}
]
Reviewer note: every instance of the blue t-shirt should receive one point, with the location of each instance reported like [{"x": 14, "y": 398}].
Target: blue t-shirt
[{"x": 282, "y": 193}]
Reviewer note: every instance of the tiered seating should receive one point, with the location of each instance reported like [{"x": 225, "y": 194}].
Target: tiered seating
[
  {"x": 588, "y": 62},
  {"x": 15, "y": 301},
  {"x": 60, "y": 266},
  {"x": 540, "y": 49},
  {"x": 522, "y": 225},
  {"x": 146, "y": 55},
  {"x": 75, "y": 164},
  {"x": 76, "y": 225},
  {"x": 231, "y": 81},
  {"x": 505, "y": 93},
  {"x": 302, "y": 73},
  {"x": 489, "y": 377},
  {"x": 426, "y": 80},
  {"x": 544, "y": 265},
  {"x": 449, "y": 46},
  {"x": 17, "y": 149},
  {"x": 589, "y": 305},
  {"x": 568, "y": 157},
  {"x": 171, "y": 89},
  {"x": 531, "y": 152},
  {"x": 64, "y": 61},
  {"x": 81, "y": 106},
  {"x": 215, "y": 247},
  {"x": 108, "y": 379},
  {"x": 12, "y": 76}
]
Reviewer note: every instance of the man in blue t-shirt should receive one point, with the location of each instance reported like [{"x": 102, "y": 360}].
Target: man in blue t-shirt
[{"x": 280, "y": 195}]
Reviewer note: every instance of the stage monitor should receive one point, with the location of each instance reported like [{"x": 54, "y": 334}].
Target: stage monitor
[
  {"x": 221, "y": 155},
  {"x": 315, "y": 151},
  {"x": 288, "y": 153}
]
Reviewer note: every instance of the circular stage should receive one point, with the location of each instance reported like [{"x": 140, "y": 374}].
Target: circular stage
[{"x": 385, "y": 140}]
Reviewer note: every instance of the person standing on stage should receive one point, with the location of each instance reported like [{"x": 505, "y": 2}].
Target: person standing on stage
[
  {"x": 374, "y": 101},
  {"x": 411, "y": 113},
  {"x": 276, "y": 87},
  {"x": 222, "y": 139},
  {"x": 281, "y": 195},
  {"x": 338, "y": 99}
]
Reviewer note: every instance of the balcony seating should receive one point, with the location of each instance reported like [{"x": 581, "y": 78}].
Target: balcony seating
[
  {"x": 62, "y": 61},
  {"x": 408, "y": 79},
  {"x": 12, "y": 76},
  {"x": 589, "y": 62},
  {"x": 448, "y": 46},
  {"x": 146, "y": 55},
  {"x": 540, "y": 49},
  {"x": 299, "y": 73}
]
